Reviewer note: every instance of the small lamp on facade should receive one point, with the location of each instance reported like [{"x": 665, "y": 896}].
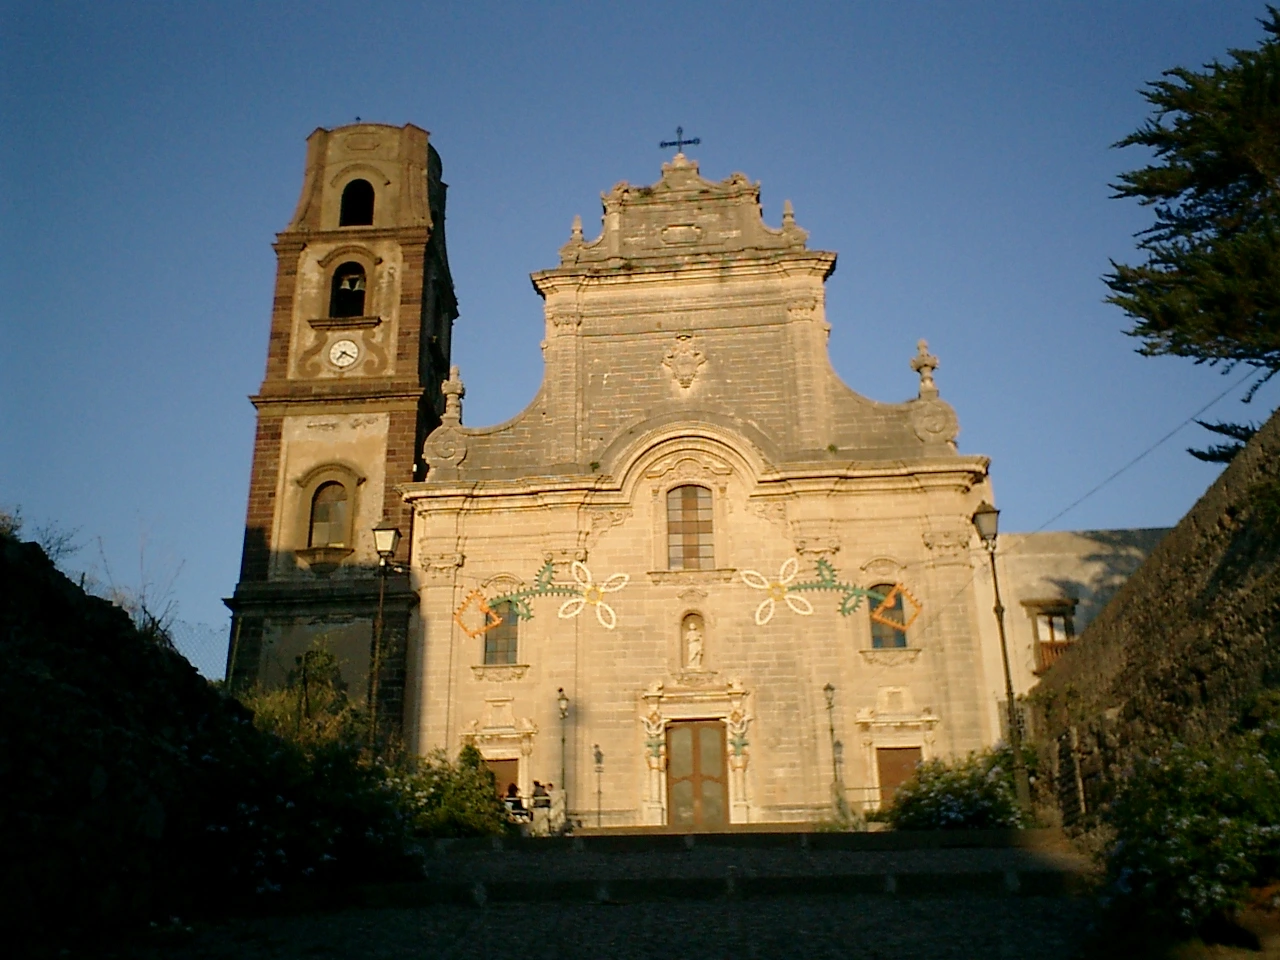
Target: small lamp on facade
[
  {"x": 598, "y": 756},
  {"x": 562, "y": 701},
  {"x": 837, "y": 792}
]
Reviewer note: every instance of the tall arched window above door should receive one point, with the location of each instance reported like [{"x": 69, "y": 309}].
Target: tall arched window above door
[
  {"x": 357, "y": 205},
  {"x": 346, "y": 295},
  {"x": 689, "y": 541},
  {"x": 329, "y": 516}
]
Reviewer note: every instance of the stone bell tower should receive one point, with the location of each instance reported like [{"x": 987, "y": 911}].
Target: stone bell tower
[{"x": 359, "y": 346}]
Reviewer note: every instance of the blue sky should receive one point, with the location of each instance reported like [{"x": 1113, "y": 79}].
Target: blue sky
[{"x": 955, "y": 155}]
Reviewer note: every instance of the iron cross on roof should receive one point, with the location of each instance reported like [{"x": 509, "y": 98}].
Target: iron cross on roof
[{"x": 679, "y": 142}]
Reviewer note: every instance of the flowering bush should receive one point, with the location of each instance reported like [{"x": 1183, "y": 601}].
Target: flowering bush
[
  {"x": 1196, "y": 827},
  {"x": 976, "y": 792},
  {"x": 443, "y": 799}
]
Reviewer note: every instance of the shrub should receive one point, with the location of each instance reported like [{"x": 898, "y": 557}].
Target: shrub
[
  {"x": 1195, "y": 828},
  {"x": 134, "y": 789},
  {"x": 433, "y": 796},
  {"x": 443, "y": 799},
  {"x": 976, "y": 792},
  {"x": 312, "y": 709}
]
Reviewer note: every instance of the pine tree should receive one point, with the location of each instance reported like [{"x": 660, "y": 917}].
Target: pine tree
[
  {"x": 1210, "y": 286},
  {"x": 1240, "y": 434}
]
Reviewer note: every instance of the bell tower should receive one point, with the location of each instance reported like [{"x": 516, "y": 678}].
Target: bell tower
[{"x": 359, "y": 345}]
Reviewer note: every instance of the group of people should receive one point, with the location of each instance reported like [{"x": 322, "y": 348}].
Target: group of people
[{"x": 541, "y": 799}]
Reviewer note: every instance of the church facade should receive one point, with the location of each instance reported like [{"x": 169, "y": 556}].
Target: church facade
[{"x": 698, "y": 581}]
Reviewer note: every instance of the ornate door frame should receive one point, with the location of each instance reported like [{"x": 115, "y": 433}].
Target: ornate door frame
[{"x": 660, "y": 705}]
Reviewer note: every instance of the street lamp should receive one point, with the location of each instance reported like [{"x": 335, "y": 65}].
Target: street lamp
[
  {"x": 599, "y": 758},
  {"x": 562, "y": 701},
  {"x": 386, "y": 537},
  {"x": 836, "y": 793},
  {"x": 987, "y": 521}
]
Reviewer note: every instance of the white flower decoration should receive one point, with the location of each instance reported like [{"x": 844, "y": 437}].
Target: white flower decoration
[
  {"x": 593, "y": 593},
  {"x": 777, "y": 591}
]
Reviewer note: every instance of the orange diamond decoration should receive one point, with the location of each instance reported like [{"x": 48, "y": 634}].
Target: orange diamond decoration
[
  {"x": 490, "y": 619},
  {"x": 890, "y": 601}
]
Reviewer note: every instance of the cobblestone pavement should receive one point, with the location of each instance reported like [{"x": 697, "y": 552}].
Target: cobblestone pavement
[{"x": 808, "y": 928}]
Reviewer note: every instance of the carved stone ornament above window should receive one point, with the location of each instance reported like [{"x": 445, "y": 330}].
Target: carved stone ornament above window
[
  {"x": 689, "y": 465},
  {"x": 890, "y": 656},
  {"x": 814, "y": 548},
  {"x": 949, "y": 539},
  {"x": 683, "y": 360},
  {"x": 696, "y": 678},
  {"x": 500, "y": 672}
]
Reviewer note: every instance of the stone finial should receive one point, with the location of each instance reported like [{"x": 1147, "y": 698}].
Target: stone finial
[
  {"x": 453, "y": 391},
  {"x": 924, "y": 363},
  {"x": 575, "y": 234},
  {"x": 794, "y": 234}
]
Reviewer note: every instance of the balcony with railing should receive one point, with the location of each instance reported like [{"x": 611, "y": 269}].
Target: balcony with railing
[{"x": 1048, "y": 652}]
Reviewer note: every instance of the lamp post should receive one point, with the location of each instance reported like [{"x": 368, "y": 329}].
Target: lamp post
[
  {"x": 986, "y": 519},
  {"x": 599, "y": 757},
  {"x": 836, "y": 794},
  {"x": 386, "y": 537},
  {"x": 562, "y": 702}
]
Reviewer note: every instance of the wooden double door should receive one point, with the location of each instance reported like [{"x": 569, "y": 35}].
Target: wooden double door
[{"x": 697, "y": 777}]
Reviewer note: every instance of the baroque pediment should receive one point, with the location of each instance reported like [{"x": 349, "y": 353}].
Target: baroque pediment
[{"x": 682, "y": 214}]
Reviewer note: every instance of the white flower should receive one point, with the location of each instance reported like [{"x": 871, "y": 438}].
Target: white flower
[
  {"x": 777, "y": 590},
  {"x": 593, "y": 593}
]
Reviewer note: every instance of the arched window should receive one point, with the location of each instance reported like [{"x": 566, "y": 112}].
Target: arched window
[
  {"x": 501, "y": 643},
  {"x": 329, "y": 516},
  {"x": 889, "y": 608},
  {"x": 689, "y": 544},
  {"x": 346, "y": 297},
  {"x": 357, "y": 205}
]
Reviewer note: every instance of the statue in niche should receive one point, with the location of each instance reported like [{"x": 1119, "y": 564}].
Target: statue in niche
[{"x": 693, "y": 641}]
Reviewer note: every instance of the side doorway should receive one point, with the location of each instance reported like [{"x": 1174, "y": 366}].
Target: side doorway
[
  {"x": 697, "y": 777},
  {"x": 894, "y": 767}
]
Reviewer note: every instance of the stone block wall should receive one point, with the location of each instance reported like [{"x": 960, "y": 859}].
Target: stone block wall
[{"x": 1184, "y": 646}]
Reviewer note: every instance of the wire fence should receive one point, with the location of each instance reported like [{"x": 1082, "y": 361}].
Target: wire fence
[{"x": 204, "y": 645}]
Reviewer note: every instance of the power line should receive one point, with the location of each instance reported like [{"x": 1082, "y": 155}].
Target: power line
[
  {"x": 1075, "y": 503},
  {"x": 1081, "y": 499}
]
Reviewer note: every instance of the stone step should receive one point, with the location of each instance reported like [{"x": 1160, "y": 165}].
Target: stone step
[{"x": 616, "y": 867}]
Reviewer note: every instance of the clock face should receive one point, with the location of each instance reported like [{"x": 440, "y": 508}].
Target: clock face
[{"x": 344, "y": 353}]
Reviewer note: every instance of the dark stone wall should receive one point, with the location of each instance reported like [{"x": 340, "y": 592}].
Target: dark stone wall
[{"x": 1184, "y": 646}]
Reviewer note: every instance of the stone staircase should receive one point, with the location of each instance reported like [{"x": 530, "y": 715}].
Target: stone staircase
[{"x": 607, "y": 866}]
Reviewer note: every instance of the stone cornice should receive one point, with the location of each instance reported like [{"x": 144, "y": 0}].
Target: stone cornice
[
  {"x": 293, "y": 392},
  {"x": 942, "y": 472},
  {"x": 799, "y": 263},
  {"x": 302, "y": 238},
  {"x": 901, "y": 474},
  {"x": 343, "y": 323},
  {"x": 297, "y": 595}
]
